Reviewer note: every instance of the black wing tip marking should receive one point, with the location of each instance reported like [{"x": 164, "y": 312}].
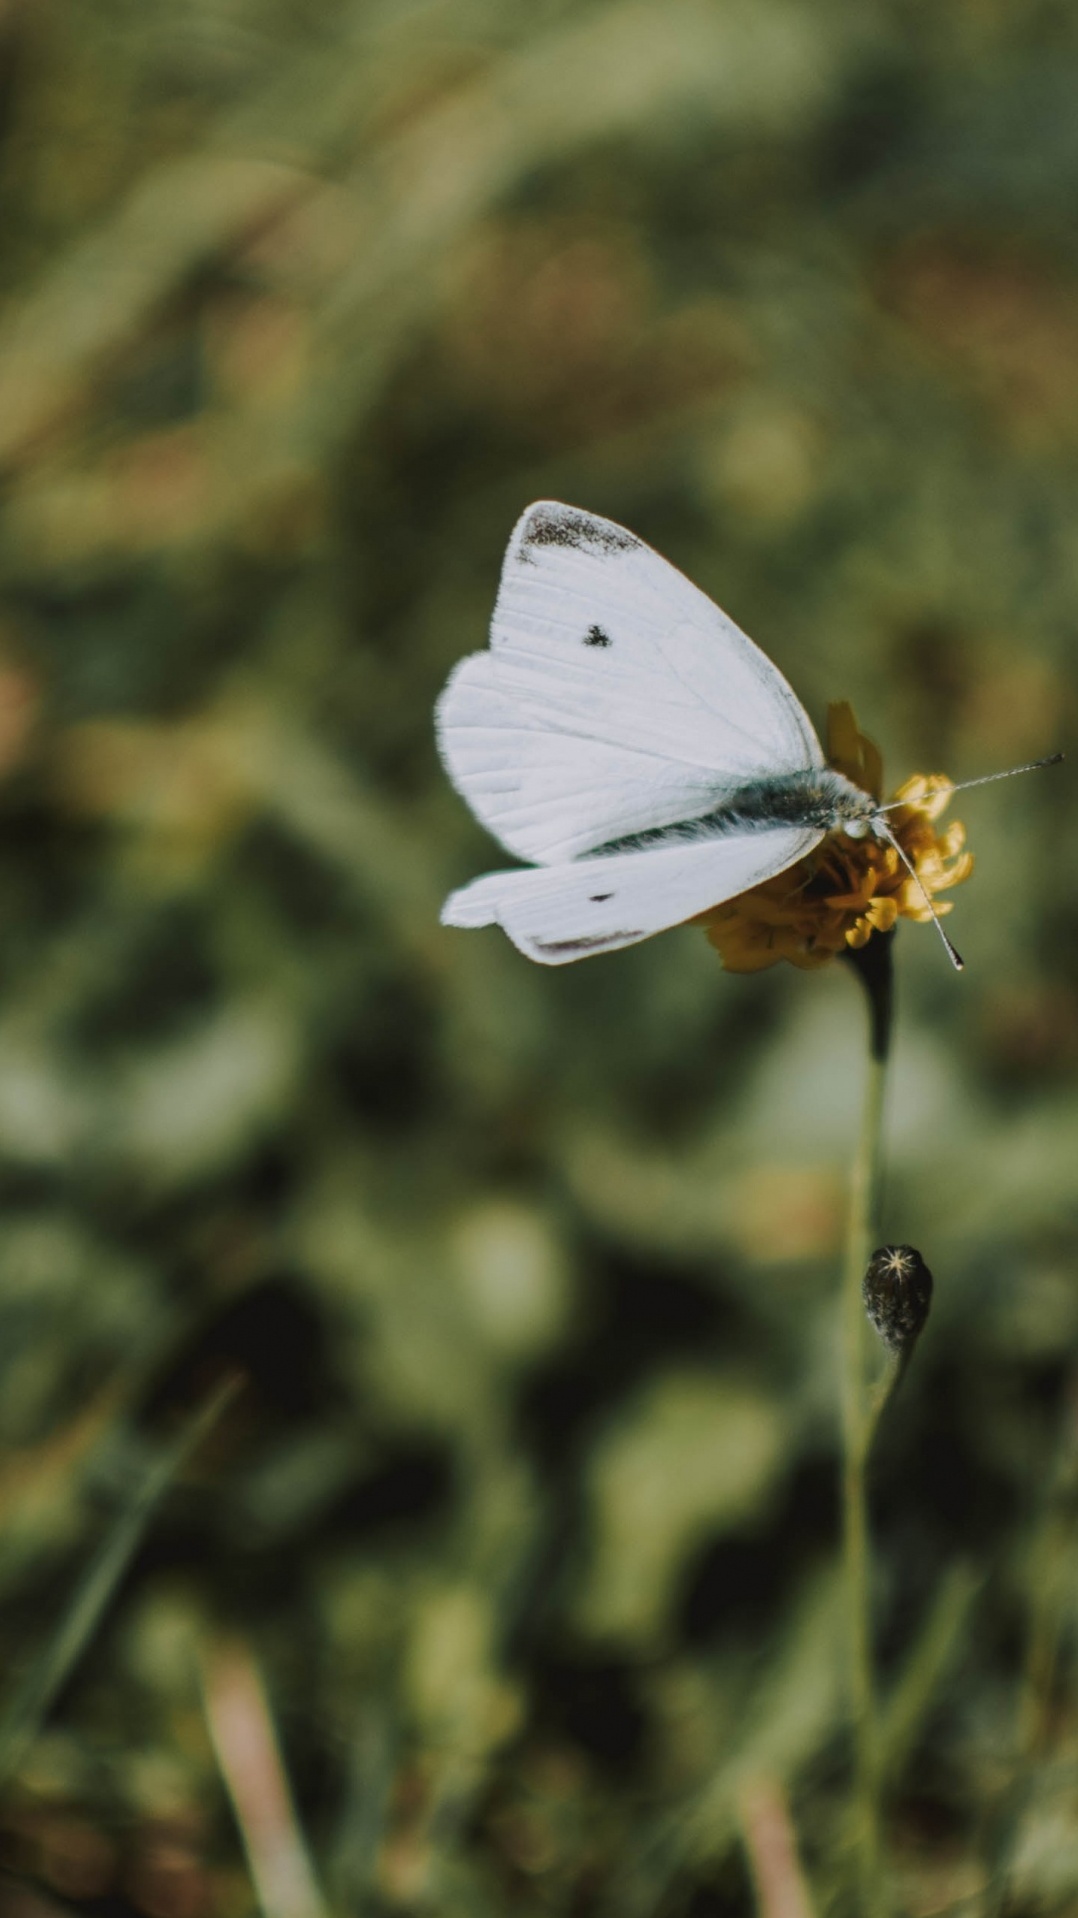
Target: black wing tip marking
[
  {"x": 595, "y": 636},
  {"x": 580, "y": 948},
  {"x": 550, "y": 524}
]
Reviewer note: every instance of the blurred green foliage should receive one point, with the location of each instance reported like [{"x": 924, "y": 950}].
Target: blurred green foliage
[{"x": 513, "y": 1562}]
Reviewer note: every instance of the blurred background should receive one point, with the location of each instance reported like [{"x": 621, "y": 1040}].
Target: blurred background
[{"x": 506, "y": 1581}]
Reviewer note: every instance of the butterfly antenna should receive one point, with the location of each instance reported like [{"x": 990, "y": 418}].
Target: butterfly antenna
[
  {"x": 885, "y": 832},
  {"x": 986, "y": 779}
]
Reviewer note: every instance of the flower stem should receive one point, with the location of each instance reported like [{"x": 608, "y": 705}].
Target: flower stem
[
  {"x": 859, "y": 1419},
  {"x": 894, "y": 1371}
]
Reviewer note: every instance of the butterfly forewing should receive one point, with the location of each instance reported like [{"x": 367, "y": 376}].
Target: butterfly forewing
[
  {"x": 615, "y": 696},
  {"x": 558, "y": 913}
]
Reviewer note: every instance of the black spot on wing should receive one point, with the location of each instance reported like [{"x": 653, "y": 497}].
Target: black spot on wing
[
  {"x": 600, "y": 898},
  {"x": 595, "y": 636},
  {"x": 567, "y": 526}
]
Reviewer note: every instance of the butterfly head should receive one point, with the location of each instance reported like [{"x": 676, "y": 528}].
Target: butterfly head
[{"x": 853, "y": 811}]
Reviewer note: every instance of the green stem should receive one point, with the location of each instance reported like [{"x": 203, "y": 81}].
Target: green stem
[
  {"x": 894, "y": 1371},
  {"x": 859, "y": 1420}
]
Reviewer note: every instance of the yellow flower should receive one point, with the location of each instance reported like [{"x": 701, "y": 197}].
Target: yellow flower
[{"x": 847, "y": 889}]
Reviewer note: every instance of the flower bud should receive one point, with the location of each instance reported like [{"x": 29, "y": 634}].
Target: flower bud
[{"x": 897, "y": 1291}]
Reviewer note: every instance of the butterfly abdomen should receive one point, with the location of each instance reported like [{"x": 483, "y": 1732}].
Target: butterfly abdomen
[{"x": 818, "y": 799}]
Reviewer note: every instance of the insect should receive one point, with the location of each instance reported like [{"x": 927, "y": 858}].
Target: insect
[{"x": 627, "y": 738}]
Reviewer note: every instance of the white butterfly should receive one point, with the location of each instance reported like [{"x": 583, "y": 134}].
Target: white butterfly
[{"x": 623, "y": 734}]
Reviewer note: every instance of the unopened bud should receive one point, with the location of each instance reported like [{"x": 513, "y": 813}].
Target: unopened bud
[{"x": 897, "y": 1291}]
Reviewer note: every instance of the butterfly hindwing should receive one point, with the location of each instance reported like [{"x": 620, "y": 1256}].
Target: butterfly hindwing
[
  {"x": 615, "y": 696},
  {"x": 558, "y": 913}
]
